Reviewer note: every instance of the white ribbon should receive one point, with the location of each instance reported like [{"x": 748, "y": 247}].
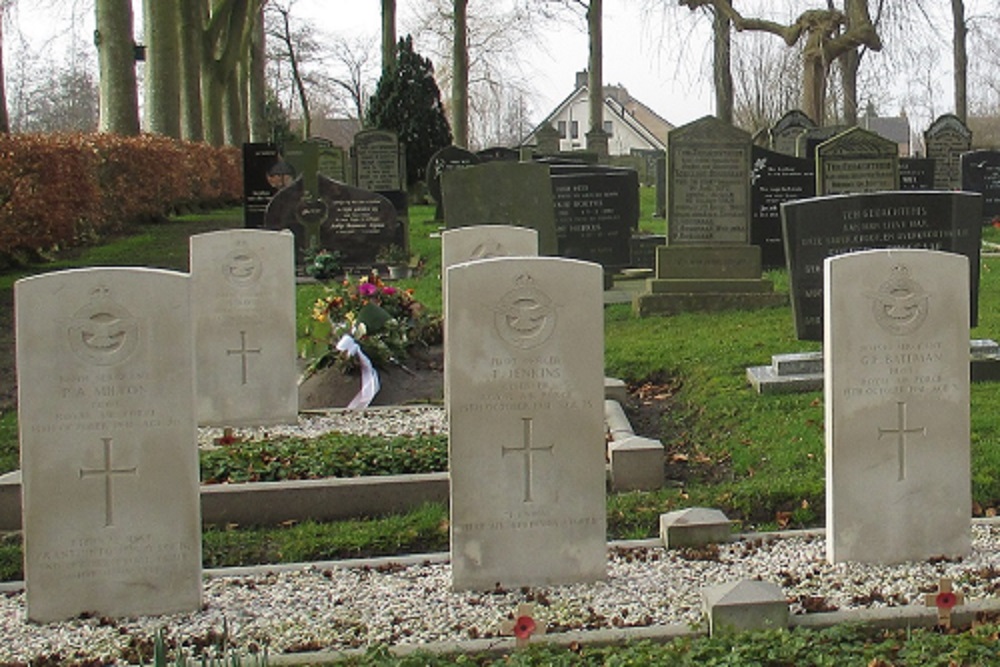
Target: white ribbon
[{"x": 369, "y": 376}]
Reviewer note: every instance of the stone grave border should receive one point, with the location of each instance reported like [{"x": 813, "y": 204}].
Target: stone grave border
[{"x": 902, "y": 617}]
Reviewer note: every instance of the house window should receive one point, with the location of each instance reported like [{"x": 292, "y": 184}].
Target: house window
[
  {"x": 607, "y": 127},
  {"x": 562, "y": 129},
  {"x": 574, "y": 130}
]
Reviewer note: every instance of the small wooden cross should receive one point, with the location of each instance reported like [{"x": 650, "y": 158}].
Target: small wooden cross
[
  {"x": 524, "y": 626},
  {"x": 944, "y": 599},
  {"x": 228, "y": 438}
]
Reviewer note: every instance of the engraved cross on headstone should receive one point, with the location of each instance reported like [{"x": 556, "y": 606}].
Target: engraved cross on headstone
[
  {"x": 527, "y": 451},
  {"x": 243, "y": 351},
  {"x": 901, "y": 431},
  {"x": 107, "y": 472}
]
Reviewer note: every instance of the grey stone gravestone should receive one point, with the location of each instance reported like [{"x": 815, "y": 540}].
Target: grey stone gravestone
[
  {"x": 243, "y": 310},
  {"x": 708, "y": 262},
  {"x": 304, "y": 157},
  {"x": 354, "y": 222},
  {"x": 502, "y": 193},
  {"x": 526, "y": 435},
  {"x": 945, "y": 141},
  {"x": 981, "y": 173},
  {"x": 857, "y": 161},
  {"x": 815, "y": 229},
  {"x": 379, "y": 162},
  {"x": 774, "y": 179},
  {"x": 596, "y": 212},
  {"x": 896, "y": 391},
  {"x": 446, "y": 159},
  {"x": 785, "y": 133},
  {"x": 332, "y": 163},
  {"x": 808, "y": 140},
  {"x": 498, "y": 153},
  {"x": 109, "y": 459}
]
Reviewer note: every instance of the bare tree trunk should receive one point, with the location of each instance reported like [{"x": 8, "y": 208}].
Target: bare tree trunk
[
  {"x": 258, "y": 87},
  {"x": 4, "y": 117},
  {"x": 190, "y": 30},
  {"x": 162, "y": 108},
  {"x": 388, "y": 34},
  {"x": 234, "y": 117},
  {"x": 595, "y": 80},
  {"x": 814, "y": 73},
  {"x": 850, "y": 61},
  {"x": 460, "y": 76},
  {"x": 961, "y": 59},
  {"x": 293, "y": 60},
  {"x": 225, "y": 49},
  {"x": 116, "y": 62},
  {"x": 722, "y": 67}
]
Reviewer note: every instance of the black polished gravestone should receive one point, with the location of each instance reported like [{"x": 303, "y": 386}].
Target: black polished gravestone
[
  {"x": 446, "y": 159},
  {"x": 815, "y": 229},
  {"x": 596, "y": 212},
  {"x": 353, "y": 222},
  {"x": 775, "y": 178},
  {"x": 981, "y": 173},
  {"x": 264, "y": 173},
  {"x": 917, "y": 173}
]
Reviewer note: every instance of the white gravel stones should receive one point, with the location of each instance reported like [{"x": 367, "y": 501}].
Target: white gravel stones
[{"x": 329, "y": 609}]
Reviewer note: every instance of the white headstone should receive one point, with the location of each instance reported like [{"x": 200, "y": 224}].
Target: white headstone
[
  {"x": 524, "y": 361},
  {"x": 896, "y": 365},
  {"x": 243, "y": 310},
  {"x": 111, "y": 510}
]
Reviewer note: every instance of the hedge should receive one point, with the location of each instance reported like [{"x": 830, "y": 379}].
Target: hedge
[{"x": 65, "y": 189}]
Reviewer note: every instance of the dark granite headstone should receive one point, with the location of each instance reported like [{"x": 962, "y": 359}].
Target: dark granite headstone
[
  {"x": 785, "y": 133},
  {"x": 708, "y": 184},
  {"x": 981, "y": 173},
  {"x": 498, "y": 153},
  {"x": 642, "y": 250},
  {"x": 857, "y": 161},
  {"x": 596, "y": 211},
  {"x": 815, "y": 229},
  {"x": 378, "y": 161},
  {"x": 264, "y": 173},
  {"x": 445, "y": 159},
  {"x": 502, "y": 193},
  {"x": 354, "y": 222},
  {"x": 917, "y": 173},
  {"x": 945, "y": 140},
  {"x": 774, "y": 179}
]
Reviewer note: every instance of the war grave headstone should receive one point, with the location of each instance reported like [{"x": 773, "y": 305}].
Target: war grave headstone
[
  {"x": 596, "y": 212},
  {"x": 917, "y": 173},
  {"x": 981, "y": 173},
  {"x": 243, "y": 310},
  {"x": 526, "y": 413},
  {"x": 354, "y": 222},
  {"x": 856, "y": 161},
  {"x": 466, "y": 244},
  {"x": 110, "y": 502},
  {"x": 774, "y": 179},
  {"x": 445, "y": 159},
  {"x": 896, "y": 398},
  {"x": 264, "y": 173},
  {"x": 783, "y": 137},
  {"x": 815, "y": 229},
  {"x": 945, "y": 141},
  {"x": 502, "y": 193},
  {"x": 708, "y": 262}
]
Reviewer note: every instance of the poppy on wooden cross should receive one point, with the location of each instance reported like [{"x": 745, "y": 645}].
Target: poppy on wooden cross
[
  {"x": 945, "y": 599},
  {"x": 523, "y": 626}
]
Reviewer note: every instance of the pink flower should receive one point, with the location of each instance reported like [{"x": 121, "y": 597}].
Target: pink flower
[
  {"x": 388, "y": 291},
  {"x": 367, "y": 289}
]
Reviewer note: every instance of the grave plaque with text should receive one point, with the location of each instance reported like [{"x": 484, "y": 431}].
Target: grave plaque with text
[
  {"x": 945, "y": 140},
  {"x": 917, "y": 174},
  {"x": 981, "y": 173},
  {"x": 109, "y": 461},
  {"x": 259, "y": 183},
  {"x": 857, "y": 161},
  {"x": 896, "y": 397},
  {"x": 378, "y": 162},
  {"x": 708, "y": 184},
  {"x": 596, "y": 212},
  {"x": 774, "y": 179},
  {"x": 784, "y": 136},
  {"x": 815, "y": 229},
  {"x": 526, "y": 436}
]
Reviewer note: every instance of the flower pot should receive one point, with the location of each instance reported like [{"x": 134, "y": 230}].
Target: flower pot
[{"x": 398, "y": 271}]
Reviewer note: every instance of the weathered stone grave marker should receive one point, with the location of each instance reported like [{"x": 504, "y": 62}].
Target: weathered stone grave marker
[
  {"x": 526, "y": 408},
  {"x": 502, "y": 193},
  {"x": 243, "y": 309},
  {"x": 111, "y": 512},
  {"x": 945, "y": 141},
  {"x": 896, "y": 388},
  {"x": 446, "y": 159},
  {"x": 378, "y": 161},
  {"x": 857, "y": 161},
  {"x": 783, "y": 137}
]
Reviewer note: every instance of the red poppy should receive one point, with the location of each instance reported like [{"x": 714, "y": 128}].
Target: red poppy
[
  {"x": 524, "y": 627},
  {"x": 946, "y": 600}
]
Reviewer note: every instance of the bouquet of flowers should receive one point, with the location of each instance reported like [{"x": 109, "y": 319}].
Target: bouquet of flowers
[{"x": 385, "y": 321}]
